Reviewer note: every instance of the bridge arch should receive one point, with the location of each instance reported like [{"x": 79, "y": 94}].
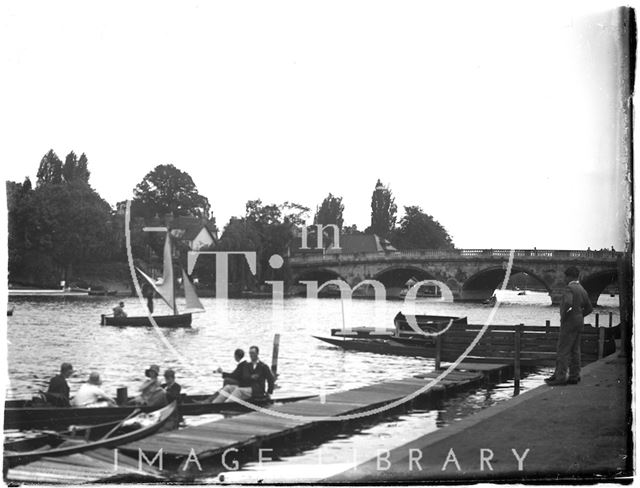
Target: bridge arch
[
  {"x": 481, "y": 285},
  {"x": 596, "y": 283},
  {"x": 396, "y": 276},
  {"x": 321, "y": 275}
]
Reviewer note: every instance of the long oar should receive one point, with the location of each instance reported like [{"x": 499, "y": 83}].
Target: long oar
[{"x": 132, "y": 414}]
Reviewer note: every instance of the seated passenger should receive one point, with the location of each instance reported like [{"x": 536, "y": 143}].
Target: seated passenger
[
  {"x": 251, "y": 380},
  {"x": 229, "y": 378},
  {"x": 118, "y": 311},
  {"x": 171, "y": 388},
  {"x": 58, "y": 391},
  {"x": 151, "y": 392},
  {"x": 91, "y": 395}
]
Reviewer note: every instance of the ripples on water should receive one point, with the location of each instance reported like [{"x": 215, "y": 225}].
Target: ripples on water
[{"x": 44, "y": 332}]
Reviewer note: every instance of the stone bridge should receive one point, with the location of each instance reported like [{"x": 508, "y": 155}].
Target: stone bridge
[{"x": 471, "y": 274}]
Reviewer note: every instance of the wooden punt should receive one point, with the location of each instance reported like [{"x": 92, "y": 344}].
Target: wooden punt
[{"x": 537, "y": 344}]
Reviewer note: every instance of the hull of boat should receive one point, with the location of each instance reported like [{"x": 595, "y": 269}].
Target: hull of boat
[
  {"x": 380, "y": 346},
  {"x": 167, "y": 321},
  {"x": 47, "y": 293},
  {"x": 18, "y": 415},
  {"x": 12, "y": 458}
]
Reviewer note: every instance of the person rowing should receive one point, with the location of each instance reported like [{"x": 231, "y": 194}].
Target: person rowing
[
  {"x": 91, "y": 395},
  {"x": 58, "y": 391}
]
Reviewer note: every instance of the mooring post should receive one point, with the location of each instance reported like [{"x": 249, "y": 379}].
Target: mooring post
[
  {"x": 547, "y": 326},
  {"x": 600, "y": 342},
  {"x": 597, "y": 320},
  {"x": 516, "y": 364},
  {"x": 122, "y": 395},
  {"x": 438, "y": 351},
  {"x": 610, "y": 319},
  {"x": 274, "y": 356}
]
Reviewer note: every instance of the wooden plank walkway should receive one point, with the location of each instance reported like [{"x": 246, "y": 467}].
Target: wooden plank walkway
[
  {"x": 255, "y": 428},
  {"x": 95, "y": 466}
]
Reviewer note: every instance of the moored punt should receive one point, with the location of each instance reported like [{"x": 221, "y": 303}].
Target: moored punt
[
  {"x": 127, "y": 429},
  {"x": 24, "y": 415},
  {"x": 537, "y": 344},
  {"x": 167, "y": 321},
  {"x": 404, "y": 327},
  {"x": 380, "y": 346}
]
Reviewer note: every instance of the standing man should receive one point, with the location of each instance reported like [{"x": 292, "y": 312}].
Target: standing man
[
  {"x": 58, "y": 392},
  {"x": 148, "y": 292},
  {"x": 574, "y": 307}
]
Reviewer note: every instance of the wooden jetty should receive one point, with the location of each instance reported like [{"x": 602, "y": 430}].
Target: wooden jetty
[
  {"x": 97, "y": 466},
  {"x": 254, "y": 430}
]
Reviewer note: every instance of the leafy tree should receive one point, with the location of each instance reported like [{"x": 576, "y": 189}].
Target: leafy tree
[
  {"x": 418, "y": 230},
  {"x": 50, "y": 170},
  {"x": 383, "y": 212},
  {"x": 69, "y": 168},
  {"x": 330, "y": 212},
  {"x": 60, "y": 223},
  {"x": 168, "y": 190},
  {"x": 75, "y": 169},
  {"x": 68, "y": 223},
  {"x": 265, "y": 229},
  {"x": 82, "y": 171},
  {"x": 18, "y": 196}
]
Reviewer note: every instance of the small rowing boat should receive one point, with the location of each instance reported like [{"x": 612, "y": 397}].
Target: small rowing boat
[
  {"x": 135, "y": 426},
  {"x": 25, "y": 414},
  {"x": 404, "y": 327}
]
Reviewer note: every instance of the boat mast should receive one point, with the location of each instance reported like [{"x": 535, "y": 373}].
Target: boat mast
[{"x": 173, "y": 281}]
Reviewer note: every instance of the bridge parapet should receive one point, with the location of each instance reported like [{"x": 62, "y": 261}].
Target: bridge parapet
[{"x": 457, "y": 254}]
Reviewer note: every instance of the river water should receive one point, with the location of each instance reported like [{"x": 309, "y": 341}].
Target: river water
[{"x": 43, "y": 332}]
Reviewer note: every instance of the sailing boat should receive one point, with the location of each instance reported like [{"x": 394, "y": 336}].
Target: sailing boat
[{"x": 166, "y": 290}]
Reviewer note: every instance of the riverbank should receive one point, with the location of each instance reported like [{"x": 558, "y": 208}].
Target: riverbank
[{"x": 555, "y": 433}]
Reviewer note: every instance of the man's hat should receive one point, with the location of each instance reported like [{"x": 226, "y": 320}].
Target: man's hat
[{"x": 153, "y": 367}]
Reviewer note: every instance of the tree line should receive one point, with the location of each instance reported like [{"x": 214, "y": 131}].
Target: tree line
[{"x": 63, "y": 222}]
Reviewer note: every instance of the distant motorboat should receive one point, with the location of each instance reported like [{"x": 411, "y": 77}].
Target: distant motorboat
[{"x": 100, "y": 291}]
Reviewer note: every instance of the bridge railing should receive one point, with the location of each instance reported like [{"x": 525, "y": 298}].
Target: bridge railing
[{"x": 333, "y": 257}]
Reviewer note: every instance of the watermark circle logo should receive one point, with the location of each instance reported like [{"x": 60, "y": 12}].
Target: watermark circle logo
[{"x": 321, "y": 397}]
